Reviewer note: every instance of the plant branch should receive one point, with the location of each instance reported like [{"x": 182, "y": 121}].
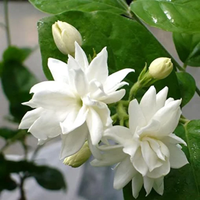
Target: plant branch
[
  {"x": 7, "y": 22},
  {"x": 197, "y": 90}
]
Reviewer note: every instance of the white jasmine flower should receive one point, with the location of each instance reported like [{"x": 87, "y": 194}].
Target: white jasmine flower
[
  {"x": 146, "y": 150},
  {"x": 74, "y": 105}
]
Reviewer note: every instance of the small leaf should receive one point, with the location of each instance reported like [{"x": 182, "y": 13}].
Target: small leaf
[
  {"x": 187, "y": 86},
  {"x": 175, "y": 16},
  {"x": 188, "y": 48},
  {"x": 59, "y": 6},
  {"x": 13, "y": 53},
  {"x": 49, "y": 178}
]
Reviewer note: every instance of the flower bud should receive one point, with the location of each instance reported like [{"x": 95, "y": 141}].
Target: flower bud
[
  {"x": 160, "y": 68},
  {"x": 64, "y": 36},
  {"x": 78, "y": 158}
]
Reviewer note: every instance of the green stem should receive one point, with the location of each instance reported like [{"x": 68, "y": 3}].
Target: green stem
[
  {"x": 21, "y": 187},
  {"x": 134, "y": 90},
  {"x": 197, "y": 91},
  {"x": 7, "y": 22}
]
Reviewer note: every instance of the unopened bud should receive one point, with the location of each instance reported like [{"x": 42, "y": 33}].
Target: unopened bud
[
  {"x": 160, "y": 68},
  {"x": 78, "y": 158},
  {"x": 64, "y": 36}
]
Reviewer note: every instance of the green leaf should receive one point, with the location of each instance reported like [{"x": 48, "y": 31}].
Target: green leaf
[
  {"x": 49, "y": 178},
  {"x": 183, "y": 183},
  {"x": 188, "y": 48},
  {"x": 174, "y": 15},
  {"x": 187, "y": 86},
  {"x": 16, "y": 80},
  {"x": 129, "y": 44},
  {"x": 59, "y": 6},
  {"x": 13, "y": 53},
  {"x": 7, "y": 133}
]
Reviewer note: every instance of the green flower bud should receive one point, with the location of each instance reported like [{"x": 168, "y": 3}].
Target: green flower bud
[
  {"x": 78, "y": 158},
  {"x": 64, "y": 36},
  {"x": 160, "y": 68}
]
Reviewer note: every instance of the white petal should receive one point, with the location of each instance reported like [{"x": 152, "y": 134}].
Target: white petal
[
  {"x": 73, "y": 141},
  {"x": 80, "y": 82},
  {"x": 94, "y": 149},
  {"x": 148, "y": 103},
  {"x": 168, "y": 117},
  {"x": 59, "y": 70},
  {"x": 98, "y": 68},
  {"x": 149, "y": 156},
  {"x": 95, "y": 126},
  {"x": 136, "y": 117},
  {"x": 139, "y": 163},
  {"x": 114, "y": 79},
  {"x": 29, "y": 118},
  {"x": 110, "y": 157},
  {"x": 72, "y": 63},
  {"x": 51, "y": 95},
  {"x": 81, "y": 57},
  {"x": 119, "y": 134},
  {"x": 160, "y": 171},
  {"x": 148, "y": 184},
  {"x": 131, "y": 147},
  {"x": 47, "y": 125},
  {"x": 75, "y": 117},
  {"x": 161, "y": 97},
  {"x": 137, "y": 183},
  {"x": 158, "y": 185},
  {"x": 124, "y": 172},
  {"x": 114, "y": 97},
  {"x": 174, "y": 140},
  {"x": 177, "y": 156}
]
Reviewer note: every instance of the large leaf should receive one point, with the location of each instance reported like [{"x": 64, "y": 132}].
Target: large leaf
[
  {"x": 187, "y": 86},
  {"x": 16, "y": 81},
  {"x": 183, "y": 183},
  {"x": 129, "y": 44},
  {"x": 59, "y": 6},
  {"x": 188, "y": 48},
  {"x": 174, "y": 15},
  {"x": 49, "y": 178}
]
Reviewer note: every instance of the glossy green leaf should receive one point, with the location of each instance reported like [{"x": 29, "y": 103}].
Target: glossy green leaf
[
  {"x": 129, "y": 44},
  {"x": 49, "y": 178},
  {"x": 174, "y": 15},
  {"x": 59, "y": 6},
  {"x": 183, "y": 183},
  {"x": 188, "y": 48},
  {"x": 187, "y": 86}
]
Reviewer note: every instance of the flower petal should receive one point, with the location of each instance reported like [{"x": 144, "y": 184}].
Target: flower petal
[
  {"x": 150, "y": 157},
  {"x": 161, "y": 98},
  {"x": 59, "y": 70},
  {"x": 29, "y": 118},
  {"x": 47, "y": 125},
  {"x": 124, "y": 172},
  {"x": 136, "y": 117},
  {"x": 137, "y": 182},
  {"x": 95, "y": 126},
  {"x": 51, "y": 95},
  {"x": 114, "y": 97},
  {"x": 148, "y": 103},
  {"x": 109, "y": 157},
  {"x": 148, "y": 184},
  {"x": 81, "y": 57},
  {"x": 139, "y": 163},
  {"x": 98, "y": 68},
  {"x": 158, "y": 185},
  {"x": 119, "y": 134},
  {"x": 177, "y": 156},
  {"x": 75, "y": 117},
  {"x": 72, "y": 142},
  {"x": 114, "y": 79}
]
